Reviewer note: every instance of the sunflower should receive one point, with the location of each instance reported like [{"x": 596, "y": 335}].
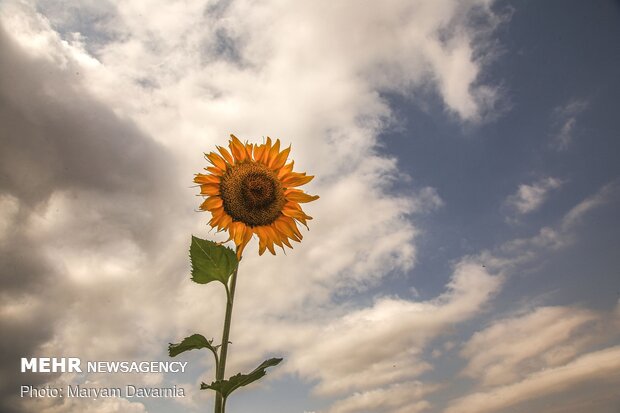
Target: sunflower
[{"x": 251, "y": 190}]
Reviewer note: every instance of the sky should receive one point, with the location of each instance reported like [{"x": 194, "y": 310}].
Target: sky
[{"x": 462, "y": 256}]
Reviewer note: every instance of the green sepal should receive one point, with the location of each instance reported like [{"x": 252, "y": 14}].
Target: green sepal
[
  {"x": 193, "y": 342},
  {"x": 225, "y": 387},
  {"x": 211, "y": 261}
]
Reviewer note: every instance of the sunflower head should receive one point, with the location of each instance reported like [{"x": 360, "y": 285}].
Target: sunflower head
[{"x": 251, "y": 190}]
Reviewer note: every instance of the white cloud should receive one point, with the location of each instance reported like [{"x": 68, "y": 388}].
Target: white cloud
[
  {"x": 427, "y": 199},
  {"x": 511, "y": 348},
  {"x": 518, "y": 252},
  {"x": 338, "y": 55},
  {"x": 361, "y": 355},
  {"x": 530, "y": 197},
  {"x": 399, "y": 398},
  {"x": 597, "y": 366},
  {"x": 601, "y": 197},
  {"x": 564, "y": 122},
  {"x": 542, "y": 352},
  {"x": 100, "y": 405}
]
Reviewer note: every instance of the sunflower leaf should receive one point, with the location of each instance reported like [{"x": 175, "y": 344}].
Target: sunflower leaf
[
  {"x": 193, "y": 342},
  {"x": 211, "y": 261},
  {"x": 225, "y": 387}
]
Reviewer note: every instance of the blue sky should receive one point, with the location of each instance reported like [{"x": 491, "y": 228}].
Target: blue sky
[
  {"x": 543, "y": 67},
  {"x": 463, "y": 253}
]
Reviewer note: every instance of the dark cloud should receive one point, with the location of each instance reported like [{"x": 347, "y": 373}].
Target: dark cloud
[{"x": 55, "y": 137}]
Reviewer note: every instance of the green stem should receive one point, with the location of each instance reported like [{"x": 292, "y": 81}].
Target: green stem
[
  {"x": 220, "y": 403},
  {"x": 217, "y": 362}
]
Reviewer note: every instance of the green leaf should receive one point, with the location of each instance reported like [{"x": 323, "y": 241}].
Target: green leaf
[
  {"x": 225, "y": 387},
  {"x": 211, "y": 261},
  {"x": 193, "y": 342}
]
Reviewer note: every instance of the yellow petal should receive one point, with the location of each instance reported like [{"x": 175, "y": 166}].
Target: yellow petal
[
  {"x": 215, "y": 171},
  {"x": 296, "y": 179},
  {"x": 262, "y": 239},
  {"x": 210, "y": 189},
  {"x": 218, "y": 216},
  {"x": 206, "y": 179},
  {"x": 225, "y": 221},
  {"x": 274, "y": 236},
  {"x": 226, "y": 155},
  {"x": 265, "y": 155},
  {"x": 249, "y": 148},
  {"x": 211, "y": 203},
  {"x": 287, "y": 226},
  {"x": 216, "y": 160},
  {"x": 213, "y": 222},
  {"x": 218, "y": 219},
  {"x": 258, "y": 152},
  {"x": 246, "y": 238},
  {"x": 284, "y": 228},
  {"x": 285, "y": 241},
  {"x": 239, "y": 233},
  {"x": 265, "y": 239},
  {"x": 299, "y": 196},
  {"x": 285, "y": 170},
  {"x": 280, "y": 159},
  {"x": 297, "y": 214},
  {"x": 273, "y": 153},
  {"x": 237, "y": 148}
]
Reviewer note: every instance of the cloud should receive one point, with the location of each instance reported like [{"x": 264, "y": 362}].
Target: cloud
[
  {"x": 106, "y": 126},
  {"x": 366, "y": 345},
  {"x": 106, "y": 117},
  {"x": 56, "y": 136},
  {"x": 214, "y": 54},
  {"x": 511, "y": 348},
  {"x": 399, "y": 398},
  {"x": 564, "y": 122},
  {"x": 546, "y": 355},
  {"x": 369, "y": 354},
  {"x": 579, "y": 211},
  {"x": 530, "y": 197},
  {"x": 65, "y": 182},
  {"x": 391, "y": 332},
  {"x": 518, "y": 252},
  {"x": 103, "y": 405},
  {"x": 597, "y": 366}
]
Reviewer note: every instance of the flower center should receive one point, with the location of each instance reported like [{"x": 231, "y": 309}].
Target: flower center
[{"x": 252, "y": 194}]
